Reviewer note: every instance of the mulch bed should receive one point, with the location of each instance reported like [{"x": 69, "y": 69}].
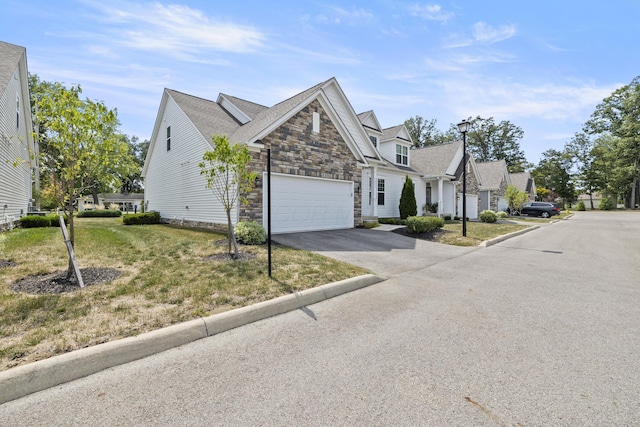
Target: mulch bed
[
  {"x": 431, "y": 236},
  {"x": 57, "y": 283}
]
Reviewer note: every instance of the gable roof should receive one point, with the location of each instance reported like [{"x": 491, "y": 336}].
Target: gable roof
[
  {"x": 251, "y": 109},
  {"x": 370, "y": 121},
  {"x": 396, "y": 132},
  {"x": 493, "y": 173},
  {"x": 523, "y": 182},
  {"x": 207, "y": 116},
  {"x": 437, "y": 160},
  {"x": 10, "y": 57}
]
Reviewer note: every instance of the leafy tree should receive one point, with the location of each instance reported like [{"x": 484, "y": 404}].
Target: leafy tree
[
  {"x": 424, "y": 132},
  {"x": 581, "y": 149},
  {"x": 515, "y": 198},
  {"x": 76, "y": 144},
  {"x": 619, "y": 116},
  {"x": 138, "y": 150},
  {"x": 226, "y": 171},
  {"x": 490, "y": 141},
  {"x": 554, "y": 173},
  {"x": 408, "y": 205}
]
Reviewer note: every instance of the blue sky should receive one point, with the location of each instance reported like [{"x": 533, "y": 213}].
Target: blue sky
[{"x": 542, "y": 65}]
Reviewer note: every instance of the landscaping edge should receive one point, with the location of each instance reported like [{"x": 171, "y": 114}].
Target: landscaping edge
[{"x": 33, "y": 377}]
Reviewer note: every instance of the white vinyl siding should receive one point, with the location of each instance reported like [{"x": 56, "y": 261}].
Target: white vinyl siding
[
  {"x": 15, "y": 185},
  {"x": 173, "y": 184},
  {"x": 353, "y": 126},
  {"x": 393, "y": 184}
]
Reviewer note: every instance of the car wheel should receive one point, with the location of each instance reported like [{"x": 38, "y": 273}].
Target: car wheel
[{"x": 545, "y": 215}]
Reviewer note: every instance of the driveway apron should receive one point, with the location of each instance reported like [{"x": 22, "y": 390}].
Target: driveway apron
[{"x": 382, "y": 252}]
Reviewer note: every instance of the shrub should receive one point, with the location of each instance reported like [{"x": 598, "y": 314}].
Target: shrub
[
  {"x": 371, "y": 224},
  {"x": 423, "y": 224},
  {"x": 392, "y": 221},
  {"x": 55, "y": 219},
  {"x": 142, "y": 218},
  {"x": 456, "y": 218},
  {"x": 447, "y": 217},
  {"x": 580, "y": 206},
  {"x": 99, "y": 213},
  {"x": 114, "y": 206},
  {"x": 408, "y": 206},
  {"x": 488, "y": 216},
  {"x": 502, "y": 215},
  {"x": 33, "y": 221},
  {"x": 250, "y": 233},
  {"x": 606, "y": 204}
]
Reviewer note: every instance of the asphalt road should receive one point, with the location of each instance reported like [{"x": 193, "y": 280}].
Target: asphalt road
[{"x": 540, "y": 330}]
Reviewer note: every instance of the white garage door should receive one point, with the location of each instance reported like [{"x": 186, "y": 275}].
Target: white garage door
[
  {"x": 308, "y": 204},
  {"x": 472, "y": 205}
]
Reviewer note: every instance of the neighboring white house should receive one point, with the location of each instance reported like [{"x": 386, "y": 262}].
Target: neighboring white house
[
  {"x": 18, "y": 152},
  {"x": 383, "y": 183},
  {"x": 495, "y": 180},
  {"x": 441, "y": 167},
  {"x": 129, "y": 202},
  {"x": 319, "y": 154}
]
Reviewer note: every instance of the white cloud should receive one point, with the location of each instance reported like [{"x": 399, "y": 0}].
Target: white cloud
[
  {"x": 430, "y": 12},
  {"x": 171, "y": 29},
  {"x": 352, "y": 17},
  {"x": 484, "y": 33}
]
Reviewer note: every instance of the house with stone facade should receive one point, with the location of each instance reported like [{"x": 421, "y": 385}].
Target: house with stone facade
[
  {"x": 18, "y": 152},
  {"x": 495, "y": 180},
  {"x": 441, "y": 167},
  {"x": 383, "y": 182},
  {"x": 320, "y": 153}
]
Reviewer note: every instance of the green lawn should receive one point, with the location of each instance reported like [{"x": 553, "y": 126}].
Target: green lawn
[
  {"x": 477, "y": 232},
  {"x": 165, "y": 280}
]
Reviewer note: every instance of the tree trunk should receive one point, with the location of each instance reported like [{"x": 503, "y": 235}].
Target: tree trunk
[
  {"x": 94, "y": 193},
  {"x": 231, "y": 236},
  {"x": 70, "y": 271},
  {"x": 634, "y": 186},
  {"x": 591, "y": 200}
]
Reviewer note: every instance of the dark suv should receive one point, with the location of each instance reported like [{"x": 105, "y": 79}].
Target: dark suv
[{"x": 543, "y": 209}]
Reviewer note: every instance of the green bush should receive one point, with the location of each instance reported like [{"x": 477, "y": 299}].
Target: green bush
[
  {"x": 100, "y": 213},
  {"x": 447, "y": 217},
  {"x": 408, "y": 206},
  {"x": 250, "y": 233},
  {"x": 142, "y": 218},
  {"x": 55, "y": 220},
  {"x": 456, "y": 218},
  {"x": 502, "y": 215},
  {"x": 606, "y": 204},
  {"x": 33, "y": 221},
  {"x": 423, "y": 224},
  {"x": 488, "y": 216},
  {"x": 580, "y": 206}
]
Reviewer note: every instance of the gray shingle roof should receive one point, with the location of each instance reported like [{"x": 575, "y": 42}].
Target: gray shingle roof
[
  {"x": 435, "y": 159},
  {"x": 522, "y": 181},
  {"x": 10, "y": 55},
  {"x": 391, "y": 132},
  {"x": 267, "y": 117},
  {"x": 207, "y": 116},
  {"x": 492, "y": 173},
  {"x": 251, "y": 109}
]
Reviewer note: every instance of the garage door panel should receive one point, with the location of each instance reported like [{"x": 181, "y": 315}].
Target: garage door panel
[{"x": 308, "y": 204}]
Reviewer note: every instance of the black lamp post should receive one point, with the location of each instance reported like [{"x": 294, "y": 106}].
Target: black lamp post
[{"x": 464, "y": 127}]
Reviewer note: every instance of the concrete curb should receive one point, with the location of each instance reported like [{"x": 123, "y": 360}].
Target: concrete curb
[
  {"x": 37, "y": 376},
  {"x": 502, "y": 238}
]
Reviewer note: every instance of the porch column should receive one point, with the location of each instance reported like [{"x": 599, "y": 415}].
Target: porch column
[
  {"x": 440, "y": 197},
  {"x": 374, "y": 191}
]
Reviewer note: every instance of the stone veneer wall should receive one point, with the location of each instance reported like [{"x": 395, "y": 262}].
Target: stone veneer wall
[
  {"x": 473, "y": 187},
  {"x": 296, "y": 150},
  {"x": 496, "y": 195}
]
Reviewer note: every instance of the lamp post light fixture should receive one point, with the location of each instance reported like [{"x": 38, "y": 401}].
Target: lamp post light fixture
[{"x": 464, "y": 127}]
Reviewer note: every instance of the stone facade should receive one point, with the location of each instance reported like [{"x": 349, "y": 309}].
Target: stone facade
[
  {"x": 497, "y": 194},
  {"x": 297, "y": 150},
  {"x": 473, "y": 186}
]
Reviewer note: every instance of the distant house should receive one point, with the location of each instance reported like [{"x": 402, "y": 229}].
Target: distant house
[
  {"x": 383, "y": 184},
  {"x": 18, "y": 151},
  {"x": 130, "y": 202},
  {"x": 524, "y": 182},
  {"x": 320, "y": 153},
  {"x": 495, "y": 180},
  {"x": 442, "y": 169},
  {"x": 587, "y": 199}
]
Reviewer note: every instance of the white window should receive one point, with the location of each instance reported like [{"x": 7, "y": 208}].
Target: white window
[
  {"x": 374, "y": 140},
  {"x": 402, "y": 155},
  {"x": 316, "y": 122},
  {"x": 381, "y": 192}
]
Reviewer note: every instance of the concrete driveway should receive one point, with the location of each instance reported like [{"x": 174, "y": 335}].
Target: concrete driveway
[{"x": 379, "y": 250}]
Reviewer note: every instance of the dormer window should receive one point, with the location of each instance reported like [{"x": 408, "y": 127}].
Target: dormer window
[
  {"x": 402, "y": 155},
  {"x": 374, "y": 140}
]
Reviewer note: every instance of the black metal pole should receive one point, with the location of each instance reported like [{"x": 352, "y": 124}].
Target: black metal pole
[
  {"x": 269, "y": 207},
  {"x": 464, "y": 184}
]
